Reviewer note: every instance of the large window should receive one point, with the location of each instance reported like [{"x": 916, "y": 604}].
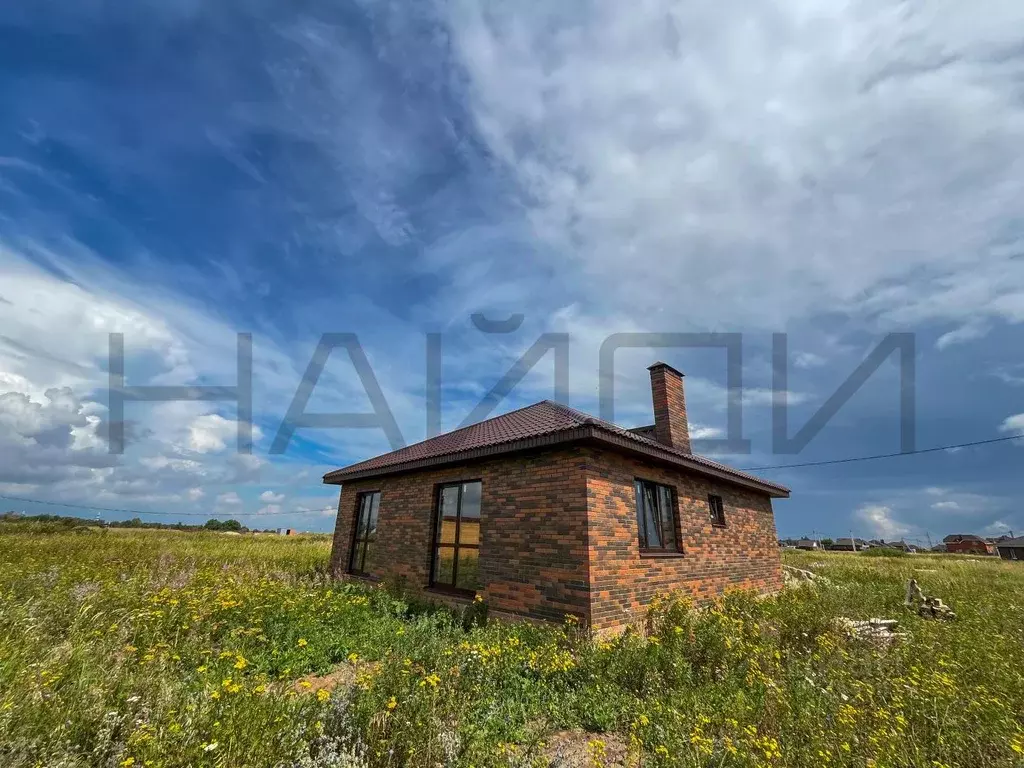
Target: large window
[
  {"x": 365, "y": 532},
  {"x": 456, "y": 555},
  {"x": 656, "y": 517}
]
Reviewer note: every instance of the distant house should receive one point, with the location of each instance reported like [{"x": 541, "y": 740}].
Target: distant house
[
  {"x": 808, "y": 544},
  {"x": 847, "y": 544},
  {"x": 900, "y": 545},
  {"x": 547, "y": 511},
  {"x": 968, "y": 544},
  {"x": 1011, "y": 549}
]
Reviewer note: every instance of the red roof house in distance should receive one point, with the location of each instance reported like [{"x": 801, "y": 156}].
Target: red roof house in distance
[
  {"x": 547, "y": 511},
  {"x": 968, "y": 544}
]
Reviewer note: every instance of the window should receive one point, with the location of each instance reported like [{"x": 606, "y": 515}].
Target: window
[
  {"x": 656, "y": 517},
  {"x": 456, "y": 554},
  {"x": 365, "y": 533},
  {"x": 717, "y": 510}
]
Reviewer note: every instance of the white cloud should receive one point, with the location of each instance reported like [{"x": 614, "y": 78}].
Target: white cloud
[
  {"x": 766, "y": 164},
  {"x": 698, "y": 432},
  {"x": 880, "y": 521},
  {"x": 1013, "y": 424},
  {"x": 946, "y": 505},
  {"x": 1010, "y": 375},
  {"x": 211, "y": 433},
  {"x": 759, "y": 396},
  {"x": 229, "y": 499},
  {"x": 808, "y": 360},
  {"x": 173, "y": 464},
  {"x": 50, "y": 440},
  {"x": 195, "y": 494},
  {"x": 996, "y": 528},
  {"x": 37, "y": 351},
  {"x": 965, "y": 333},
  {"x": 269, "y": 497},
  {"x": 270, "y": 509}
]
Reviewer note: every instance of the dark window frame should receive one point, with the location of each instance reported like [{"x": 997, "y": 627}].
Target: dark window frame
[
  {"x": 716, "y": 510},
  {"x": 436, "y": 530},
  {"x": 356, "y": 540},
  {"x": 643, "y": 536}
]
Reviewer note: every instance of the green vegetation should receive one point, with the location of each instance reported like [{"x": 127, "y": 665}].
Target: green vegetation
[
  {"x": 884, "y": 552},
  {"x": 153, "y": 648},
  {"x": 53, "y": 522}
]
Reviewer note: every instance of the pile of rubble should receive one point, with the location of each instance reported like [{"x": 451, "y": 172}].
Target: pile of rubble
[
  {"x": 928, "y": 606},
  {"x": 798, "y": 577},
  {"x": 880, "y": 631}
]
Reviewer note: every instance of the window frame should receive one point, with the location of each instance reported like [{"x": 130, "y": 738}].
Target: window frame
[
  {"x": 356, "y": 540},
  {"x": 717, "y": 517},
  {"x": 642, "y": 535},
  {"x": 436, "y": 530}
]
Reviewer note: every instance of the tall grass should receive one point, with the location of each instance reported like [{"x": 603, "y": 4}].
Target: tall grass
[{"x": 152, "y": 648}]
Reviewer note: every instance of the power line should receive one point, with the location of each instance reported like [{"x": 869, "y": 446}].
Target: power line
[
  {"x": 300, "y": 510},
  {"x": 95, "y": 508},
  {"x": 873, "y": 457}
]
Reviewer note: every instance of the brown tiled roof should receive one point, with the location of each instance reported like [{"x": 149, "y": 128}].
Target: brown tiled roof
[
  {"x": 541, "y": 424},
  {"x": 956, "y": 538}
]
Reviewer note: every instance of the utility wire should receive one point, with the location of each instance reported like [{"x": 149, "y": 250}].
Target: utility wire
[
  {"x": 299, "y": 511},
  {"x": 852, "y": 459},
  {"x": 94, "y": 508}
]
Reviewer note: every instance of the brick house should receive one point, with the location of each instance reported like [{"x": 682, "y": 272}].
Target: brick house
[
  {"x": 547, "y": 511},
  {"x": 968, "y": 544},
  {"x": 1011, "y": 549}
]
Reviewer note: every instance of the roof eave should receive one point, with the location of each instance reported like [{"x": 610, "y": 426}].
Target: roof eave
[
  {"x": 339, "y": 476},
  {"x": 771, "y": 489},
  {"x": 586, "y": 432}
]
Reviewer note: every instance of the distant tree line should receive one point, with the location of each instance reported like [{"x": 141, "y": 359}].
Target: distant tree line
[{"x": 61, "y": 521}]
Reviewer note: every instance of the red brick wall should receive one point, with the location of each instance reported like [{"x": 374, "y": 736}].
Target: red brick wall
[
  {"x": 744, "y": 553},
  {"x": 533, "y": 547},
  {"x": 969, "y": 547},
  {"x": 670, "y": 423},
  {"x": 541, "y": 556}
]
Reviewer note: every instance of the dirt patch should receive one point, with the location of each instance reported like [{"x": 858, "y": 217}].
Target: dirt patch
[
  {"x": 342, "y": 676},
  {"x": 579, "y": 749}
]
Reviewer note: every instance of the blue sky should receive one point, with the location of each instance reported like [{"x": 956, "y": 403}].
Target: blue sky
[{"x": 181, "y": 172}]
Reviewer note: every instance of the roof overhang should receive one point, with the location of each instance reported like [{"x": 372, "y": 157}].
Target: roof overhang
[{"x": 588, "y": 433}]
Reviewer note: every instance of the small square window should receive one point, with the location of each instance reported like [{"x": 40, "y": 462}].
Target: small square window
[{"x": 716, "y": 509}]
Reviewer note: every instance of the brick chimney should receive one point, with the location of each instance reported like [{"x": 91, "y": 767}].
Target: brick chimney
[{"x": 670, "y": 426}]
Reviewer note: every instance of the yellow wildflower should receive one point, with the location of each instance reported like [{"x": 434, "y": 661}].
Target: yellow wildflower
[{"x": 431, "y": 680}]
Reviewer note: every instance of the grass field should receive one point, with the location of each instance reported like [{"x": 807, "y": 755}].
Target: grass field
[{"x": 147, "y": 648}]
